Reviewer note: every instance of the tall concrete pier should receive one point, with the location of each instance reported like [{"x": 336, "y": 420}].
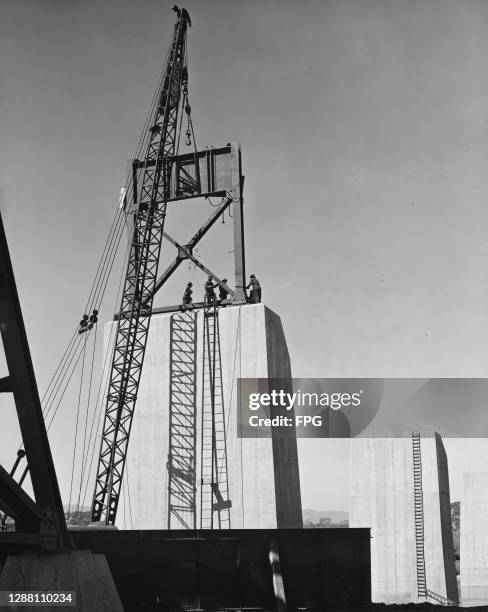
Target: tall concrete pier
[
  {"x": 474, "y": 539},
  {"x": 409, "y": 514},
  {"x": 264, "y": 484}
]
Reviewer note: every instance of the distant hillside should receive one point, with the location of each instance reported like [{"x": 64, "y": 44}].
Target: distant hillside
[
  {"x": 336, "y": 516},
  {"x": 72, "y": 508},
  {"x": 82, "y": 517},
  {"x": 325, "y": 518}
]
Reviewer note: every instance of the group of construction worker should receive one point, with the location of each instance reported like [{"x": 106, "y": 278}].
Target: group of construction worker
[
  {"x": 87, "y": 322},
  {"x": 211, "y": 297}
]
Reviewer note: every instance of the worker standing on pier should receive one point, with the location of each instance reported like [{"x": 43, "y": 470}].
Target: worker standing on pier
[
  {"x": 187, "y": 299},
  {"x": 223, "y": 293},
  {"x": 210, "y": 291},
  {"x": 255, "y": 295}
]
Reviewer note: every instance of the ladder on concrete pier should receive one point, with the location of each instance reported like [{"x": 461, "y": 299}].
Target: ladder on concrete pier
[
  {"x": 182, "y": 421},
  {"x": 419, "y": 513},
  {"x": 444, "y": 601},
  {"x": 214, "y": 498},
  {"x": 422, "y": 590}
]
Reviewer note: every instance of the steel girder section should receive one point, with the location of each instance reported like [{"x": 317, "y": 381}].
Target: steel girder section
[
  {"x": 182, "y": 422},
  {"x": 133, "y": 322}
]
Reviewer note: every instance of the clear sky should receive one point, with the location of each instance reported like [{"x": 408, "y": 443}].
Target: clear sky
[{"x": 364, "y": 129}]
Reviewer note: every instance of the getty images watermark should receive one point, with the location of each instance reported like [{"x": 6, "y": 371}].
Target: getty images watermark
[
  {"x": 310, "y": 408},
  {"x": 350, "y": 407},
  {"x": 298, "y": 400}
]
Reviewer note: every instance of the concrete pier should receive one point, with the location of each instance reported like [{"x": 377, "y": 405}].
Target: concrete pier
[
  {"x": 382, "y": 498},
  {"x": 86, "y": 575},
  {"x": 474, "y": 539},
  {"x": 263, "y": 473}
]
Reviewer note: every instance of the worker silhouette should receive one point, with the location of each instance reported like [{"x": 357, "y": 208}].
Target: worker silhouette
[
  {"x": 93, "y": 318},
  {"x": 210, "y": 291},
  {"x": 83, "y": 324},
  {"x": 187, "y": 296},
  {"x": 223, "y": 293},
  {"x": 87, "y": 322},
  {"x": 255, "y": 295}
]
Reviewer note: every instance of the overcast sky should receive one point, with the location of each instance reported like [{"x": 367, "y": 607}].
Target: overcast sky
[{"x": 364, "y": 131}]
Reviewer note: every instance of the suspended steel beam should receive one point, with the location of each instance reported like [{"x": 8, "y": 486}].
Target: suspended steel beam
[{"x": 204, "y": 174}]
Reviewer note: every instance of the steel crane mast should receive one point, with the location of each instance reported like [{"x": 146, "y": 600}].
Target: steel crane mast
[{"x": 141, "y": 277}]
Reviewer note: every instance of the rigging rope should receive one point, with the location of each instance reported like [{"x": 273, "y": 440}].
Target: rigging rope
[
  {"x": 91, "y": 447},
  {"x": 86, "y": 422},
  {"x": 105, "y": 265},
  {"x": 100, "y": 281},
  {"x": 76, "y": 428}
]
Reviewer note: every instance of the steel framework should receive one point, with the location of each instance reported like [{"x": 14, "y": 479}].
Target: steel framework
[{"x": 165, "y": 176}]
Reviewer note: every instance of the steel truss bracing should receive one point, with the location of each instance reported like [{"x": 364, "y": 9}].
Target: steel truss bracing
[
  {"x": 195, "y": 175},
  {"x": 182, "y": 422},
  {"x": 134, "y": 314},
  {"x": 214, "y": 494}
]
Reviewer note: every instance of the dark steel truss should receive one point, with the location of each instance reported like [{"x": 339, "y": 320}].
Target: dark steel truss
[
  {"x": 182, "y": 422},
  {"x": 40, "y": 523},
  {"x": 134, "y": 315}
]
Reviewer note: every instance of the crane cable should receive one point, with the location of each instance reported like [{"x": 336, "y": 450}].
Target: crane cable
[
  {"x": 98, "y": 287},
  {"x": 86, "y": 423},
  {"x": 76, "y": 427},
  {"x": 90, "y": 450},
  {"x": 99, "y": 284}
]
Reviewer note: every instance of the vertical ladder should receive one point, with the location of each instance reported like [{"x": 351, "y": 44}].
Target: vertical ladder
[
  {"x": 422, "y": 590},
  {"x": 214, "y": 496},
  {"x": 182, "y": 421},
  {"x": 419, "y": 514}
]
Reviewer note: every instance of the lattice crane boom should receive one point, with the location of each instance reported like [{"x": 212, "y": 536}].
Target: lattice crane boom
[{"x": 135, "y": 309}]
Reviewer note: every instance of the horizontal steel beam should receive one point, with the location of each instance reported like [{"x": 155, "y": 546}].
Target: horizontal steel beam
[{"x": 196, "y": 306}]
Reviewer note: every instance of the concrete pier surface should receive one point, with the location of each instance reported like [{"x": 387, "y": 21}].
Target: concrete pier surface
[
  {"x": 474, "y": 539},
  {"x": 86, "y": 575},
  {"x": 382, "y": 498},
  {"x": 263, "y": 473}
]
